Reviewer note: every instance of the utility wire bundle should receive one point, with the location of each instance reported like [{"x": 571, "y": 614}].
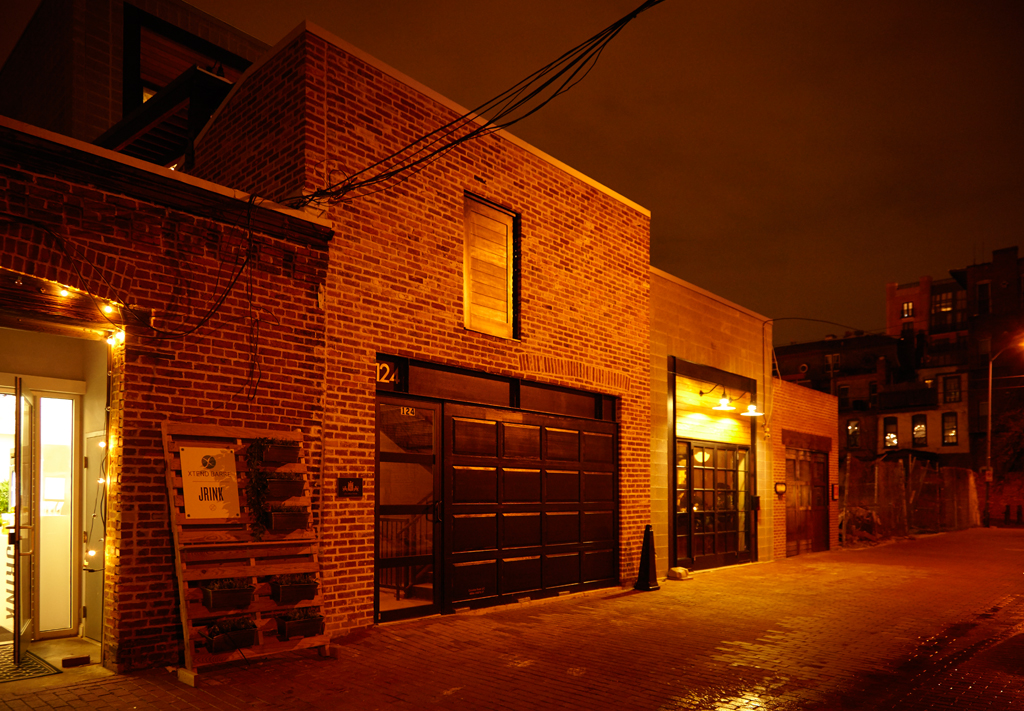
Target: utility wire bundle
[{"x": 522, "y": 100}]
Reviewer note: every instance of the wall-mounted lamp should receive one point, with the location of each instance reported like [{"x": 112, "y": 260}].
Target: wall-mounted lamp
[
  {"x": 780, "y": 488},
  {"x": 725, "y": 403}
]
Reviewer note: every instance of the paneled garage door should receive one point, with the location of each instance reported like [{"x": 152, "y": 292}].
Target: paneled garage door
[{"x": 530, "y": 505}]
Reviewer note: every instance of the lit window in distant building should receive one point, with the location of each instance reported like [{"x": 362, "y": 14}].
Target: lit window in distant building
[
  {"x": 908, "y": 309},
  {"x": 890, "y": 429},
  {"x": 984, "y": 301},
  {"x": 920, "y": 430},
  {"x": 951, "y": 388},
  {"x": 948, "y": 428},
  {"x": 942, "y": 311},
  {"x": 853, "y": 433}
]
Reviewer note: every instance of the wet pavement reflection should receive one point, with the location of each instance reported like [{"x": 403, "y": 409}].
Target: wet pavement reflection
[{"x": 931, "y": 623}]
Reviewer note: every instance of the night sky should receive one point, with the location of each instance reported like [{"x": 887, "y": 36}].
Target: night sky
[{"x": 796, "y": 155}]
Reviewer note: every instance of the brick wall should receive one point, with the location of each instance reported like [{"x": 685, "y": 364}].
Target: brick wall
[
  {"x": 258, "y": 142},
  {"x": 395, "y": 278},
  {"x": 161, "y": 258},
  {"x": 805, "y": 411},
  {"x": 695, "y": 325}
]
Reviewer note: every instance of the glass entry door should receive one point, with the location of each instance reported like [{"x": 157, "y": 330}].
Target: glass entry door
[
  {"x": 22, "y": 533},
  {"x": 712, "y": 515},
  {"x": 408, "y": 520}
]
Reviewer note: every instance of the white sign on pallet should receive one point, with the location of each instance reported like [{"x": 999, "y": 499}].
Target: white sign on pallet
[{"x": 209, "y": 483}]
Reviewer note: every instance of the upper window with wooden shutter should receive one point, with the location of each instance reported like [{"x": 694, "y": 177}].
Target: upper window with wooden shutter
[{"x": 489, "y": 301}]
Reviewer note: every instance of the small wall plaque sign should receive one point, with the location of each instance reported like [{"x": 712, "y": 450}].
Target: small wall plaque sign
[
  {"x": 350, "y": 487},
  {"x": 209, "y": 483}
]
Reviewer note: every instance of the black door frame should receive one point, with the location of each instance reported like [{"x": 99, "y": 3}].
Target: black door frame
[
  {"x": 743, "y": 508},
  {"x": 730, "y": 381},
  {"x": 433, "y": 512}
]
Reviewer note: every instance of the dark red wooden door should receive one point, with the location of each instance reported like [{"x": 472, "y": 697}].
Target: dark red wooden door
[{"x": 806, "y": 502}]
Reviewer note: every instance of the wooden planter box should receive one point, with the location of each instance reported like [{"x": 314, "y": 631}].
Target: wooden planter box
[
  {"x": 299, "y": 628},
  {"x": 281, "y": 521},
  {"x": 290, "y": 594},
  {"x": 281, "y": 454},
  {"x": 230, "y": 641},
  {"x": 279, "y": 489},
  {"x": 234, "y": 599}
]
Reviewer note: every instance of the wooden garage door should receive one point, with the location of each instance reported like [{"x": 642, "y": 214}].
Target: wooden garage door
[{"x": 531, "y": 505}]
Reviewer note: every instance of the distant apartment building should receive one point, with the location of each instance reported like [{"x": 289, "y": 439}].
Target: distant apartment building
[
  {"x": 922, "y": 389},
  {"x": 884, "y": 406},
  {"x": 968, "y": 320}
]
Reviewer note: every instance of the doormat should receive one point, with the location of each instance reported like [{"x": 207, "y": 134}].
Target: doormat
[{"x": 30, "y": 668}]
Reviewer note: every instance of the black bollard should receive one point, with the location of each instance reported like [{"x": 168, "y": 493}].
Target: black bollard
[
  {"x": 1006, "y": 515},
  {"x": 648, "y": 577},
  {"x": 1020, "y": 513}
]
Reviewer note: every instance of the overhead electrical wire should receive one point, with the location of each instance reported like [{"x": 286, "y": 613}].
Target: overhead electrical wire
[
  {"x": 517, "y": 103},
  {"x": 522, "y": 100}
]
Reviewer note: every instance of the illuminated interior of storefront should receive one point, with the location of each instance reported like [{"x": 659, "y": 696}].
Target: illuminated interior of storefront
[{"x": 714, "y": 476}]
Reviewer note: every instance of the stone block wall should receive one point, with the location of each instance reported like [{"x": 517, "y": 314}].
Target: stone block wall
[{"x": 695, "y": 325}]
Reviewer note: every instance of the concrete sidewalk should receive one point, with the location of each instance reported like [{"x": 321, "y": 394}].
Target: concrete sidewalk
[{"x": 931, "y": 623}]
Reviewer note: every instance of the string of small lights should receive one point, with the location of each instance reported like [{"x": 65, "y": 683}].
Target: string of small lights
[
  {"x": 522, "y": 100},
  {"x": 241, "y": 263},
  {"x": 73, "y": 259}
]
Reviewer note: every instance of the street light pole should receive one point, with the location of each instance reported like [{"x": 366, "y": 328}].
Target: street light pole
[
  {"x": 988, "y": 438},
  {"x": 988, "y": 434}
]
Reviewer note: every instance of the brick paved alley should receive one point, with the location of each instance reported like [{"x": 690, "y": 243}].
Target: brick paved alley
[{"x": 931, "y": 623}]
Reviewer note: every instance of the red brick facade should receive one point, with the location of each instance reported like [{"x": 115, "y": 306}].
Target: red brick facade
[
  {"x": 390, "y": 282},
  {"x": 395, "y": 280},
  {"x": 143, "y": 237},
  {"x": 802, "y": 411}
]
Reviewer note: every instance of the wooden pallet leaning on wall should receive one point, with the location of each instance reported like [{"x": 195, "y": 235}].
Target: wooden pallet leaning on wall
[{"x": 210, "y": 549}]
